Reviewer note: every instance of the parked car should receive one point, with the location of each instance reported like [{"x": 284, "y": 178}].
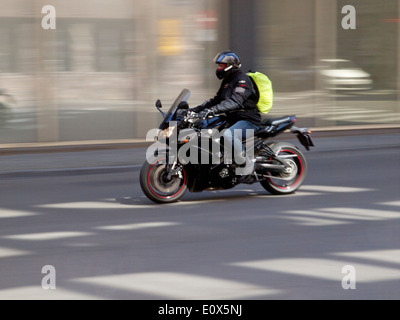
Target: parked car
[{"x": 343, "y": 75}]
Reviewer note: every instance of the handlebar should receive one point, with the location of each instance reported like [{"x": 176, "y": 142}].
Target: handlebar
[{"x": 191, "y": 115}]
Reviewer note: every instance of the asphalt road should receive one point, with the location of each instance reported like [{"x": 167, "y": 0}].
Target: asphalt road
[{"x": 93, "y": 234}]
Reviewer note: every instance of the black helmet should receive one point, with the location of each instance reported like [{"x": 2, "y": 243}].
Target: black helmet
[{"x": 230, "y": 60}]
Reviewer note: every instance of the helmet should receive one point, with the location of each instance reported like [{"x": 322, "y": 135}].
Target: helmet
[{"x": 228, "y": 62}]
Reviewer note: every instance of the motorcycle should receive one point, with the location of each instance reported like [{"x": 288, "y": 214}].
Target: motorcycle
[{"x": 189, "y": 153}]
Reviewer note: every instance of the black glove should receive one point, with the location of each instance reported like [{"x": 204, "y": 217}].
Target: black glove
[
  {"x": 181, "y": 113},
  {"x": 205, "y": 113},
  {"x": 183, "y": 105},
  {"x": 200, "y": 107},
  {"x": 196, "y": 109}
]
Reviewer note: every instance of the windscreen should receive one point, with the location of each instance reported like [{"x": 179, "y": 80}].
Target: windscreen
[{"x": 183, "y": 96}]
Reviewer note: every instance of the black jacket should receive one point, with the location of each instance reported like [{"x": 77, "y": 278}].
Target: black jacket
[{"x": 237, "y": 98}]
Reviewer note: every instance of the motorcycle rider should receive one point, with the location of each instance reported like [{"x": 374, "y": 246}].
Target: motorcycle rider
[{"x": 236, "y": 98}]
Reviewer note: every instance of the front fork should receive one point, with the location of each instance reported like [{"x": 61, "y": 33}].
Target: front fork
[{"x": 171, "y": 168}]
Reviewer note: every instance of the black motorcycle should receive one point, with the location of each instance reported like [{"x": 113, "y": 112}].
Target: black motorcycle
[{"x": 189, "y": 154}]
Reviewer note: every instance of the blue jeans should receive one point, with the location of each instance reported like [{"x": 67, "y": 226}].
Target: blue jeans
[{"x": 234, "y": 134}]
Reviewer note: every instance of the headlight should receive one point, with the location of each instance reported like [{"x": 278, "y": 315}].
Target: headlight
[
  {"x": 164, "y": 134},
  {"x": 169, "y": 131}
]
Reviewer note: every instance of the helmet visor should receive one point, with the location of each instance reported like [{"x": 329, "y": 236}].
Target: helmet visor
[
  {"x": 228, "y": 58},
  {"x": 221, "y": 58}
]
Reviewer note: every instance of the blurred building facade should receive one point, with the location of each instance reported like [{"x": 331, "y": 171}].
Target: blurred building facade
[{"x": 97, "y": 74}]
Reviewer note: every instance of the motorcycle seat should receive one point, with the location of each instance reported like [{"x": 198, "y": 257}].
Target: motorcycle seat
[
  {"x": 275, "y": 121},
  {"x": 270, "y": 126}
]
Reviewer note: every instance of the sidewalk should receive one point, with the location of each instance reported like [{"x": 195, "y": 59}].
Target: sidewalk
[{"x": 105, "y": 156}]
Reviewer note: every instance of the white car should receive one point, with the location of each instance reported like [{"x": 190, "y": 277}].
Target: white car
[{"x": 341, "y": 74}]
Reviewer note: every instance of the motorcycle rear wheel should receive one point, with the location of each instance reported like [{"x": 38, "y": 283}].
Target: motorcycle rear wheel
[
  {"x": 157, "y": 187},
  {"x": 291, "y": 180}
]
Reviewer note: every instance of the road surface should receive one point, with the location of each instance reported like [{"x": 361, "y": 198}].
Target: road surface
[{"x": 93, "y": 235}]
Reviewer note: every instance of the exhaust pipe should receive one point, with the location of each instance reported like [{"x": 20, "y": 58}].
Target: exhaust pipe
[{"x": 269, "y": 167}]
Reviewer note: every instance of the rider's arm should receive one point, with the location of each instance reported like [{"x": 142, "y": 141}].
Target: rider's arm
[
  {"x": 200, "y": 107},
  {"x": 241, "y": 90}
]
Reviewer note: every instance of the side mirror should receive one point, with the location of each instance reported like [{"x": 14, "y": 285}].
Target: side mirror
[{"x": 159, "y": 106}]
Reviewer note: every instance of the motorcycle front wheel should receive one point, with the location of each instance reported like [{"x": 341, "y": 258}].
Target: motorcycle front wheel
[
  {"x": 157, "y": 186},
  {"x": 292, "y": 178}
]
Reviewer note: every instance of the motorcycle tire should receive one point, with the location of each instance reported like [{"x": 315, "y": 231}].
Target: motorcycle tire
[
  {"x": 291, "y": 180},
  {"x": 157, "y": 187}
]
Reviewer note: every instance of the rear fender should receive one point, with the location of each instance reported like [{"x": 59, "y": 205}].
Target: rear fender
[
  {"x": 304, "y": 136},
  {"x": 277, "y": 147}
]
